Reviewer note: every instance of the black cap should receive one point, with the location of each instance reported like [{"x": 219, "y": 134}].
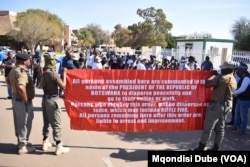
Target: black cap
[
  {"x": 22, "y": 56},
  {"x": 242, "y": 66}
]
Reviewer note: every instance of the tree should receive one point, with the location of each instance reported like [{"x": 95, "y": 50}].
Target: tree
[
  {"x": 122, "y": 36},
  {"x": 36, "y": 26},
  {"x": 143, "y": 34},
  {"x": 100, "y": 36},
  {"x": 241, "y": 33},
  {"x": 85, "y": 37},
  {"x": 151, "y": 32},
  {"x": 200, "y": 35},
  {"x": 171, "y": 41}
]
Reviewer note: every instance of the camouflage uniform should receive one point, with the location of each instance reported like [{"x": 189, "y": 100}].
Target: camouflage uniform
[
  {"x": 50, "y": 81},
  {"x": 220, "y": 103},
  {"x": 51, "y": 103}
]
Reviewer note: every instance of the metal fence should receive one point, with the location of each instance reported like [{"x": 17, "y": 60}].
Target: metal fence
[{"x": 241, "y": 56}]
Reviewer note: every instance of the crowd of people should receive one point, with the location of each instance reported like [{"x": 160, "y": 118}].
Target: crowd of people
[
  {"x": 94, "y": 59},
  {"x": 231, "y": 83}
]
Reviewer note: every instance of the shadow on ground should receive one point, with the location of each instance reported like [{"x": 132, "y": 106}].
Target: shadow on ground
[
  {"x": 185, "y": 140},
  {"x": 136, "y": 155},
  {"x": 8, "y": 148},
  {"x": 181, "y": 140},
  {"x": 126, "y": 154}
]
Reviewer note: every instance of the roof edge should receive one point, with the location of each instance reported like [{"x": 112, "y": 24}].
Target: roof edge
[
  {"x": 7, "y": 13},
  {"x": 206, "y": 40}
]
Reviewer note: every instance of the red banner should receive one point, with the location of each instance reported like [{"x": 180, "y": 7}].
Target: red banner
[{"x": 136, "y": 100}]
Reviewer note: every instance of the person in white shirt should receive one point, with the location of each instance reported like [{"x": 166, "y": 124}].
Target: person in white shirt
[
  {"x": 141, "y": 64},
  {"x": 90, "y": 60},
  {"x": 183, "y": 63},
  {"x": 97, "y": 63},
  {"x": 130, "y": 63},
  {"x": 192, "y": 64}
]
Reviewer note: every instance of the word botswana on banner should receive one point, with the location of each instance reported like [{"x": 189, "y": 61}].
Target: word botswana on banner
[{"x": 136, "y": 100}]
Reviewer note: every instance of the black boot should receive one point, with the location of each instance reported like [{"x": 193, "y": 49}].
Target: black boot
[
  {"x": 215, "y": 148},
  {"x": 200, "y": 147}
]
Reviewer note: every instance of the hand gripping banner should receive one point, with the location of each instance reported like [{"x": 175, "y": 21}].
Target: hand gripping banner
[{"x": 136, "y": 100}]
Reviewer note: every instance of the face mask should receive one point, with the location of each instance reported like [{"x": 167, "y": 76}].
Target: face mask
[
  {"x": 50, "y": 63},
  {"x": 53, "y": 62}
]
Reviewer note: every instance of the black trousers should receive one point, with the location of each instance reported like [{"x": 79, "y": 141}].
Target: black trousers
[
  {"x": 233, "y": 109},
  {"x": 36, "y": 76}
]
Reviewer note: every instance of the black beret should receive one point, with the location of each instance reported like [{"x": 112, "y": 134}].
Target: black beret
[{"x": 22, "y": 56}]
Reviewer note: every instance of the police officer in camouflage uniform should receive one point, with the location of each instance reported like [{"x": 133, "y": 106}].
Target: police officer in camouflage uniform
[
  {"x": 50, "y": 81},
  {"x": 23, "y": 93},
  {"x": 223, "y": 85}
]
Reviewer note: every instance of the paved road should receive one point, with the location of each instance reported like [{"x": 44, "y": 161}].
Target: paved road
[{"x": 94, "y": 149}]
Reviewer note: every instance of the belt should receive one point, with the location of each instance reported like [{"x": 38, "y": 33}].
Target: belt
[
  {"x": 17, "y": 99},
  {"x": 50, "y": 96},
  {"x": 20, "y": 99}
]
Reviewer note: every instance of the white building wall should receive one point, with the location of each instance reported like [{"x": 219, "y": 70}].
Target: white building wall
[
  {"x": 197, "y": 50},
  {"x": 216, "y": 52},
  {"x": 156, "y": 50}
]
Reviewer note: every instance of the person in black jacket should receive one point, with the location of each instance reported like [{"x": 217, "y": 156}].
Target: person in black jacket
[
  {"x": 36, "y": 65},
  {"x": 8, "y": 64},
  {"x": 207, "y": 64},
  {"x": 243, "y": 100}
]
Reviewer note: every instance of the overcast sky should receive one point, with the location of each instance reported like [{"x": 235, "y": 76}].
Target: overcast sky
[{"x": 212, "y": 16}]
